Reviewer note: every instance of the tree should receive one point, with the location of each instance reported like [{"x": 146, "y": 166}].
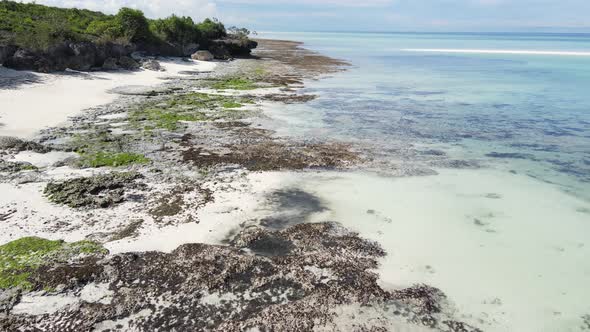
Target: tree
[
  {"x": 211, "y": 29},
  {"x": 179, "y": 30},
  {"x": 133, "y": 25}
]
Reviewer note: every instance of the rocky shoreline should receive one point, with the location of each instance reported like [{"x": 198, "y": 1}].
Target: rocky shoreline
[{"x": 183, "y": 153}]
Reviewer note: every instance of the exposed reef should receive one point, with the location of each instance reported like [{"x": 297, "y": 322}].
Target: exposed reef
[
  {"x": 301, "y": 276},
  {"x": 100, "y": 191}
]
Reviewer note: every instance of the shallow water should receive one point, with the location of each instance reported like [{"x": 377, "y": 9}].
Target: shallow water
[{"x": 508, "y": 240}]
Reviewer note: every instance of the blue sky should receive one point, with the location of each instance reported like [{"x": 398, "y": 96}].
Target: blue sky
[{"x": 369, "y": 15}]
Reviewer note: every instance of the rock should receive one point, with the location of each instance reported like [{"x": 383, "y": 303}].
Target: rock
[
  {"x": 190, "y": 49},
  {"x": 313, "y": 270},
  {"x": 232, "y": 47},
  {"x": 13, "y": 144},
  {"x": 202, "y": 56},
  {"x": 27, "y": 60},
  {"x": 15, "y": 167},
  {"x": 138, "y": 56},
  {"x": 6, "y": 52},
  {"x": 9, "y": 298},
  {"x": 85, "y": 54},
  {"x": 100, "y": 191},
  {"x": 126, "y": 62},
  {"x": 110, "y": 64},
  {"x": 161, "y": 49},
  {"x": 111, "y": 50},
  {"x": 220, "y": 52},
  {"x": 60, "y": 55},
  {"x": 153, "y": 65}
]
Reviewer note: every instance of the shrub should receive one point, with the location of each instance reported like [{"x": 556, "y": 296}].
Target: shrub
[
  {"x": 132, "y": 24},
  {"x": 174, "y": 29},
  {"x": 38, "y": 27},
  {"x": 211, "y": 29}
]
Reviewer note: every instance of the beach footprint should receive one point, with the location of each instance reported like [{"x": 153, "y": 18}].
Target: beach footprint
[
  {"x": 483, "y": 221},
  {"x": 379, "y": 216}
]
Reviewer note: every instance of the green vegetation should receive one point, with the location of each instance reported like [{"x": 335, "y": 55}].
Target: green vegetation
[
  {"x": 192, "y": 107},
  {"x": 101, "y": 148},
  {"x": 20, "y": 258},
  {"x": 112, "y": 159},
  {"x": 183, "y": 31},
  {"x": 39, "y": 27},
  {"x": 94, "y": 141},
  {"x": 170, "y": 119},
  {"x": 232, "y": 104},
  {"x": 235, "y": 83}
]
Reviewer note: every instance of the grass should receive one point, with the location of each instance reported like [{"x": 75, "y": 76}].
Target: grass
[
  {"x": 102, "y": 159},
  {"x": 20, "y": 258},
  {"x": 232, "y": 104},
  {"x": 234, "y": 83},
  {"x": 260, "y": 71},
  {"x": 29, "y": 168},
  {"x": 170, "y": 119},
  {"x": 168, "y": 114}
]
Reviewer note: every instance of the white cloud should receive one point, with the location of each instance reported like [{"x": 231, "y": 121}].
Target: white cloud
[{"x": 197, "y": 9}]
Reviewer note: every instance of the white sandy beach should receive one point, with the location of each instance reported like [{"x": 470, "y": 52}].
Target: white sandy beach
[{"x": 31, "y": 107}]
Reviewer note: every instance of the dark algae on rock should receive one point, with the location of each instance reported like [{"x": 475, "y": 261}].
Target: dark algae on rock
[
  {"x": 99, "y": 191},
  {"x": 306, "y": 273}
]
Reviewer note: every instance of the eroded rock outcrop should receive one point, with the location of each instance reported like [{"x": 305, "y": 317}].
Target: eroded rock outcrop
[{"x": 225, "y": 49}]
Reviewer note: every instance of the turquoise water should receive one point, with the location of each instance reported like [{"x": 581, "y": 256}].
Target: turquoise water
[
  {"x": 490, "y": 152},
  {"x": 526, "y": 113}
]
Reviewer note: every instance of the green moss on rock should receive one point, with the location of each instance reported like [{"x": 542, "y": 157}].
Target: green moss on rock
[
  {"x": 171, "y": 112},
  {"x": 235, "y": 83},
  {"x": 112, "y": 159},
  {"x": 232, "y": 104},
  {"x": 20, "y": 258},
  {"x": 14, "y": 167}
]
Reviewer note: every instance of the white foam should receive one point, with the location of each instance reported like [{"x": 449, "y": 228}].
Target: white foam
[{"x": 477, "y": 51}]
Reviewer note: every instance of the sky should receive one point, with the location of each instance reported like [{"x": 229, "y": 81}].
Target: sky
[{"x": 367, "y": 15}]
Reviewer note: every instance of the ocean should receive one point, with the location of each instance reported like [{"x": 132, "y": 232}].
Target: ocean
[{"x": 482, "y": 184}]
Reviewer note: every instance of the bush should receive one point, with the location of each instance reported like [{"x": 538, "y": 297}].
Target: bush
[
  {"x": 211, "y": 29},
  {"x": 37, "y": 27},
  {"x": 132, "y": 24},
  {"x": 239, "y": 33},
  {"x": 179, "y": 30}
]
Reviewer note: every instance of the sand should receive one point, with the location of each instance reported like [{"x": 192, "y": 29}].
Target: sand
[
  {"x": 510, "y": 251},
  {"x": 32, "y": 107}
]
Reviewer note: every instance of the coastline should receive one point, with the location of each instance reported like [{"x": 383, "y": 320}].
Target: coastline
[
  {"x": 158, "y": 170},
  {"x": 222, "y": 177}
]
